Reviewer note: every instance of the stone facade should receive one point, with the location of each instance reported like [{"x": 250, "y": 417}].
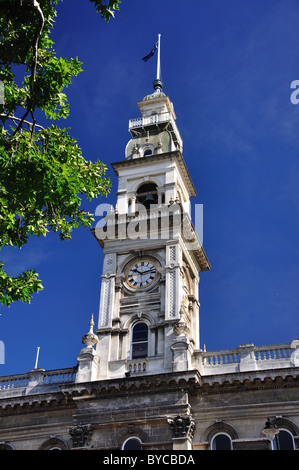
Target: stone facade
[
  {"x": 142, "y": 379},
  {"x": 170, "y": 411}
]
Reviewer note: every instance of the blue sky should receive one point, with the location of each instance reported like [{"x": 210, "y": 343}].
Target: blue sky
[{"x": 227, "y": 67}]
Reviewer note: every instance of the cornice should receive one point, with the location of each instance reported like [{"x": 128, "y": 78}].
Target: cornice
[
  {"x": 27, "y": 404},
  {"x": 190, "y": 381},
  {"x": 136, "y": 384},
  {"x": 249, "y": 381}
]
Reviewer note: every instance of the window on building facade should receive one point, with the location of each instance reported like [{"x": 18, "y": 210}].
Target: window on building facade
[
  {"x": 283, "y": 441},
  {"x": 140, "y": 340},
  {"x": 133, "y": 443},
  {"x": 221, "y": 442}
]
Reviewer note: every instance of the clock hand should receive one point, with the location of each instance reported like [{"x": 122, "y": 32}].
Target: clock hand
[
  {"x": 145, "y": 272},
  {"x": 137, "y": 272}
]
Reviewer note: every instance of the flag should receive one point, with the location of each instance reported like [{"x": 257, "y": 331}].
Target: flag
[{"x": 148, "y": 56}]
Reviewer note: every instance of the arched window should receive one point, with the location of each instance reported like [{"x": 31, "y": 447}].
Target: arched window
[
  {"x": 132, "y": 443},
  {"x": 140, "y": 340},
  {"x": 54, "y": 443},
  {"x": 147, "y": 194},
  {"x": 221, "y": 442},
  {"x": 6, "y": 446},
  {"x": 283, "y": 441}
]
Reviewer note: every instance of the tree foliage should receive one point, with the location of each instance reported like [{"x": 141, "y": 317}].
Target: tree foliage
[{"x": 43, "y": 175}]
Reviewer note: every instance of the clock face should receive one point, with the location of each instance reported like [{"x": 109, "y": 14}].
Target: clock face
[{"x": 141, "y": 274}]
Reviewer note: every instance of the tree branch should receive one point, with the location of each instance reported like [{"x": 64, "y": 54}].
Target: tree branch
[
  {"x": 33, "y": 124},
  {"x": 38, "y": 10},
  {"x": 35, "y": 5}
]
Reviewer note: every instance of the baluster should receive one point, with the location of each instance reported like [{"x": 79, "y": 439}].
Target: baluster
[
  {"x": 270, "y": 353},
  {"x": 259, "y": 357}
]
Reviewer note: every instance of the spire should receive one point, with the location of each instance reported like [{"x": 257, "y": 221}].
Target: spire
[{"x": 158, "y": 82}]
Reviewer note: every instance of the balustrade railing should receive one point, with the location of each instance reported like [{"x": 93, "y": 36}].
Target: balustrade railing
[
  {"x": 11, "y": 382},
  {"x": 59, "y": 376},
  {"x": 14, "y": 381},
  {"x": 137, "y": 366},
  {"x": 278, "y": 355},
  {"x": 281, "y": 353},
  {"x": 147, "y": 120},
  {"x": 156, "y": 119},
  {"x": 266, "y": 353},
  {"x": 216, "y": 358}
]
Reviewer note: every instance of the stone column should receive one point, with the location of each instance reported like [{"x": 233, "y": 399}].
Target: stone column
[{"x": 181, "y": 350}]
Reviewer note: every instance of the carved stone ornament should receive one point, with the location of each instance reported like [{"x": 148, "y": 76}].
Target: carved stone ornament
[
  {"x": 90, "y": 339},
  {"x": 182, "y": 426},
  {"x": 80, "y": 434}
]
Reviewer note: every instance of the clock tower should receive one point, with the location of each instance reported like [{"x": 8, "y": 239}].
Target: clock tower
[{"x": 149, "y": 309}]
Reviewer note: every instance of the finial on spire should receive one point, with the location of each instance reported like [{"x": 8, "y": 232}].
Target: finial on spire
[
  {"x": 91, "y": 324},
  {"x": 90, "y": 339}
]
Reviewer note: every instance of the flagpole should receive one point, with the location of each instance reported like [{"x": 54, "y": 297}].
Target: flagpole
[
  {"x": 37, "y": 354},
  {"x": 158, "y": 59}
]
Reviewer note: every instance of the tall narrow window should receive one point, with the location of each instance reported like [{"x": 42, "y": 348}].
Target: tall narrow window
[
  {"x": 140, "y": 341},
  {"x": 283, "y": 441}
]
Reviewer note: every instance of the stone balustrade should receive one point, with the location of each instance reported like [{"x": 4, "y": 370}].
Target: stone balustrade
[
  {"x": 137, "y": 366},
  {"x": 36, "y": 378},
  {"x": 249, "y": 357},
  {"x": 245, "y": 358}
]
